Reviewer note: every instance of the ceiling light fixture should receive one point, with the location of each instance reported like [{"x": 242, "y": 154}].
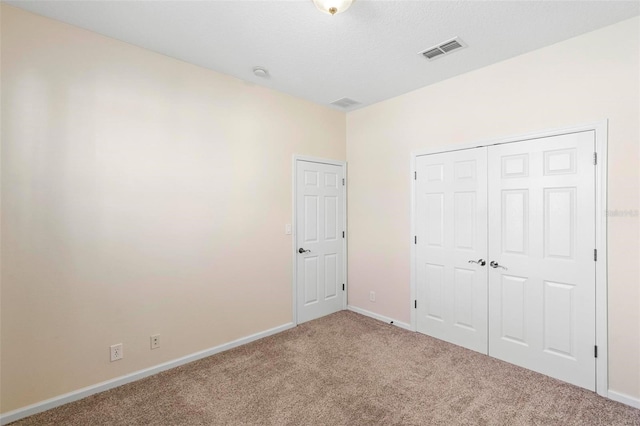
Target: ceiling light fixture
[{"x": 332, "y": 6}]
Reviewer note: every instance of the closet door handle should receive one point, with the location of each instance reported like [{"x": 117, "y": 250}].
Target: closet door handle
[
  {"x": 480, "y": 262},
  {"x": 495, "y": 265}
]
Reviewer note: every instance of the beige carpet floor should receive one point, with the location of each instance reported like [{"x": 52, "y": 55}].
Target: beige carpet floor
[{"x": 344, "y": 369}]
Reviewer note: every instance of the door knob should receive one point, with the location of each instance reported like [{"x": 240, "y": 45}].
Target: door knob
[
  {"x": 495, "y": 265},
  {"x": 480, "y": 262},
  {"x": 301, "y": 250}
]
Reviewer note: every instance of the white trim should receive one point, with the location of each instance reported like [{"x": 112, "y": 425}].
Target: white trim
[
  {"x": 601, "y": 142},
  {"x": 412, "y": 249},
  {"x": 66, "y": 398},
  {"x": 379, "y": 317},
  {"x": 318, "y": 160},
  {"x": 602, "y": 285},
  {"x": 598, "y": 125},
  {"x": 345, "y": 240},
  {"x": 294, "y": 241},
  {"x": 624, "y": 399}
]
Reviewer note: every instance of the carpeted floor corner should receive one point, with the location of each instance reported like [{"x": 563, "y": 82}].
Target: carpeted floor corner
[{"x": 344, "y": 369}]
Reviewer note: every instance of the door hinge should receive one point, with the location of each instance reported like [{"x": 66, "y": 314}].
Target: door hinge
[
  {"x": 415, "y": 304},
  {"x": 595, "y": 351},
  {"x": 342, "y": 234},
  {"x": 595, "y": 255},
  {"x": 342, "y": 181},
  {"x": 415, "y": 175},
  {"x": 415, "y": 239},
  {"x": 595, "y": 158},
  {"x": 342, "y": 286}
]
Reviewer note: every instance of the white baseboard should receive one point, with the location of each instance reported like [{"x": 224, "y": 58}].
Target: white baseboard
[
  {"x": 57, "y": 401},
  {"x": 379, "y": 317},
  {"x": 625, "y": 399}
]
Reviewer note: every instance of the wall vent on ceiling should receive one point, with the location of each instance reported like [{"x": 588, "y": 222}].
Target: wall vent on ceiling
[
  {"x": 443, "y": 48},
  {"x": 345, "y": 103}
]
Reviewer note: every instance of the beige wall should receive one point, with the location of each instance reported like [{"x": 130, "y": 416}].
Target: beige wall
[
  {"x": 144, "y": 195},
  {"x": 140, "y": 195},
  {"x": 585, "y": 79}
]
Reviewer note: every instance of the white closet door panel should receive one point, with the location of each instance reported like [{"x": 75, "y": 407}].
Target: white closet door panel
[
  {"x": 541, "y": 227},
  {"x": 451, "y": 230}
]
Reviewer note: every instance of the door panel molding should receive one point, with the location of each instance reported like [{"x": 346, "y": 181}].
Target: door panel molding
[
  {"x": 294, "y": 229},
  {"x": 555, "y": 308},
  {"x": 560, "y": 163},
  {"x": 451, "y": 240}
]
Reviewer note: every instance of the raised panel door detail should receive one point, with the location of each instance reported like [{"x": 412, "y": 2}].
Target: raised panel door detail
[
  {"x": 463, "y": 297},
  {"x": 319, "y": 222},
  {"x": 560, "y": 162},
  {"x": 330, "y": 275},
  {"x": 330, "y": 217},
  {"x": 515, "y": 221},
  {"x": 435, "y": 173},
  {"x": 515, "y": 166},
  {"x": 465, "y": 170},
  {"x": 435, "y": 219},
  {"x": 559, "y": 222},
  {"x": 435, "y": 291},
  {"x": 513, "y": 318},
  {"x": 450, "y": 214},
  {"x": 559, "y": 319},
  {"x": 311, "y": 178},
  {"x": 311, "y": 280},
  {"x": 330, "y": 180},
  {"x": 464, "y": 207},
  {"x": 545, "y": 297},
  {"x": 311, "y": 214}
]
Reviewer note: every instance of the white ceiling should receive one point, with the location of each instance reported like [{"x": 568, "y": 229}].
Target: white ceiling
[{"x": 369, "y": 53}]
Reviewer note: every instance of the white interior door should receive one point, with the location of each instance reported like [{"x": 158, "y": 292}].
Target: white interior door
[
  {"x": 451, "y": 231},
  {"x": 319, "y": 239},
  {"x": 542, "y": 236}
]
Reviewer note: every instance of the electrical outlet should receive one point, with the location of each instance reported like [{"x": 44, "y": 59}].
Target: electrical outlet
[
  {"x": 372, "y": 296},
  {"x": 116, "y": 352},
  {"x": 155, "y": 341}
]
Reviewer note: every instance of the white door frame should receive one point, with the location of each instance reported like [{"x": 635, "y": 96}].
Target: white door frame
[
  {"x": 600, "y": 129},
  {"x": 294, "y": 247}
]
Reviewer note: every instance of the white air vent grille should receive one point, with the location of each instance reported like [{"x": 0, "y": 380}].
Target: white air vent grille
[
  {"x": 430, "y": 54},
  {"x": 452, "y": 45},
  {"x": 443, "y": 48},
  {"x": 345, "y": 103}
]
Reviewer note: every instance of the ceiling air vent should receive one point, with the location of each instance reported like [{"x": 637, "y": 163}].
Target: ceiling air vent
[
  {"x": 443, "y": 48},
  {"x": 432, "y": 53},
  {"x": 345, "y": 103}
]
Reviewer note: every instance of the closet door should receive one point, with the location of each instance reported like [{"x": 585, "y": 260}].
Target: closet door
[
  {"x": 451, "y": 232},
  {"x": 541, "y": 245}
]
